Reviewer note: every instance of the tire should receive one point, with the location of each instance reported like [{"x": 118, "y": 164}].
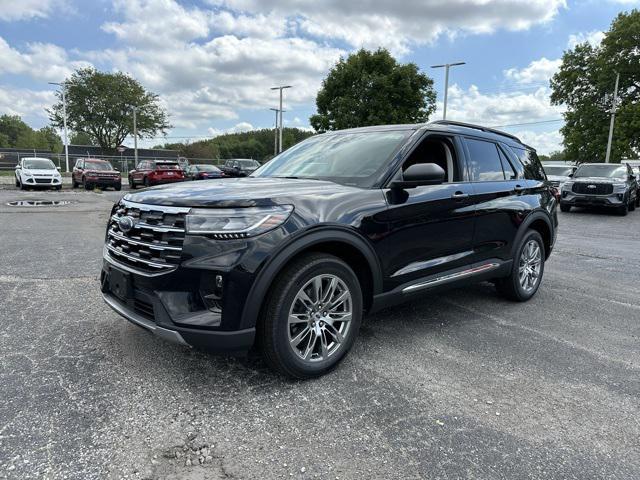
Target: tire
[
  {"x": 146, "y": 183},
  {"x": 318, "y": 350},
  {"x": 118, "y": 187},
  {"x": 564, "y": 207},
  {"x": 632, "y": 205},
  {"x": 87, "y": 186},
  {"x": 22, "y": 186},
  {"x": 58, "y": 188},
  {"x": 17, "y": 182},
  {"x": 74, "y": 184},
  {"x": 132, "y": 183},
  {"x": 511, "y": 287},
  {"x": 623, "y": 210}
]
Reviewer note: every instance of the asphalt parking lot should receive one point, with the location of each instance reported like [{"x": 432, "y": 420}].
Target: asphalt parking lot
[{"x": 459, "y": 385}]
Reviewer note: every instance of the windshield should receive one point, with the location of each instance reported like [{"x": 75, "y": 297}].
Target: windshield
[
  {"x": 97, "y": 165},
  {"x": 347, "y": 158},
  {"x": 39, "y": 164},
  {"x": 167, "y": 166},
  {"x": 609, "y": 171},
  {"x": 558, "y": 170},
  {"x": 248, "y": 163},
  {"x": 207, "y": 168}
]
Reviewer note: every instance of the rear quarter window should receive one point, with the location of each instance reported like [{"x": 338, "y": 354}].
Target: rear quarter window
[{"x": 530, "y": 162}]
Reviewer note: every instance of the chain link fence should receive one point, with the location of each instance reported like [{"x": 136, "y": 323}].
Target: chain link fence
[{"x": 123, "y": 163}]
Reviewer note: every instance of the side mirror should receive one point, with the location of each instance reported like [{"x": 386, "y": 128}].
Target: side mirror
[
  {"x": 420, "y": 174},
  {"x": 17, "y": 167},
  {"x": 58, "y": 168},
  {"x": 570, "y": 175}
]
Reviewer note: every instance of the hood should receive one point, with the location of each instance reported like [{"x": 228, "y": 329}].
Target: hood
[
  {"x": 598, "y": 180},
  {"x": 240, "y": 192},
  {"x": 557, "y": 178}
]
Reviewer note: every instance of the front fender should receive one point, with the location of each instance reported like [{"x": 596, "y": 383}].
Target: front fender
[{"x": 297, "y": 244}]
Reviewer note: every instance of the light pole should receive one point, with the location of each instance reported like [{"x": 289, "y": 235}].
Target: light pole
[
  {"x": 135, "y": 137},
  {"x": 446, "y": 66},
  {"x": 613, "y": 118},
  {"x": 275, "y": 131},
  {"x": 282, "y": 87},
  {"x": 64, "y": 121}
]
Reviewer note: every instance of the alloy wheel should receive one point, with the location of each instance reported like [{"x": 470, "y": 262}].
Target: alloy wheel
[
  {"x": 320, "y": 318},
  {"x": 530, "y": 264}
]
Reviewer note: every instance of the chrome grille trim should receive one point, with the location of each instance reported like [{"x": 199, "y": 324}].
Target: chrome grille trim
[{"x": 154, "y": 245}]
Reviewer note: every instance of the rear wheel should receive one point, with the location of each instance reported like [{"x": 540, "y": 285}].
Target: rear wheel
[
  {"x": 564, "y": 207},
  {"x": 312, "y": 317},
  {"x": 527, "y": 270}
]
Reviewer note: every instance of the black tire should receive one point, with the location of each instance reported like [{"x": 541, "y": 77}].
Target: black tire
[
  {"x": 632, "y": 204},
  {"x": 74, "y": 184},
  {"x": 17, "y": 182},
  {"x": 274, "y": 328},
  {"x": 132, "y": 183},
  {"x": 87, "y": 186},
  {"x": 146, "y": 183},
  {"x": 58, "y": 188},
  {"x": 510, "y": 286},
  {"x": 623, "y": 210},
  {"x": 22, "y": 186},
  {"x": 564, "y": 207},
  {"x": 118, "y": 187}
]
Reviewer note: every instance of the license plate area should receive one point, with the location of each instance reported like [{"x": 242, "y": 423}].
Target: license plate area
[{"x": 120, "y": 284}]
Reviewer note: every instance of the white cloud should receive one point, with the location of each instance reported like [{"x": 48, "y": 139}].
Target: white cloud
[
  {"x": 11, "y": 10},
  {"x": 537, "y": 71},
  {"x": 593, "y": 38},
  {"x": 26, "y": 103},
  {"x": 237, "y": 128},
  {"x": 401, "y": 25},
  {"x": 543, "y": 142},
  {"x": 42, "y": 61}
]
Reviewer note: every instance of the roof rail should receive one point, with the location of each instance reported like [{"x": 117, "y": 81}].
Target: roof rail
[{"x": 476, "y": 127}]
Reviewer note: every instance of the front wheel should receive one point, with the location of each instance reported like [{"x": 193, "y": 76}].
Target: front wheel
[
  {"x": 146, "y": 183},
  {"x": 565, "y": 208},
  {"x": 632, "y": 205},
  {"x": 527, "y": 270},
  {"x": 312, "y": 317},
  {"x": 623, "y": 210},
  {"x": 132, "y": 183}
]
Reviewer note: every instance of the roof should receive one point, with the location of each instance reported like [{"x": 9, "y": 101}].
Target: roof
[{"x": 444, "y": 126}]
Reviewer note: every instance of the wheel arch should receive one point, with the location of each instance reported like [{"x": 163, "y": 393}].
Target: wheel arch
[
  {"x": 347, "y": 245},
  {"x": 540, "y": 222}
]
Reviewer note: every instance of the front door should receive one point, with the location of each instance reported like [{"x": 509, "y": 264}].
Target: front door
[{"x": 430, "y": 227}]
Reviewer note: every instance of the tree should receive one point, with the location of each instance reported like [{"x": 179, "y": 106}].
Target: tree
[
  {"x": 585, "y": 84},
  {"x": 100, "y": 105},
  {"x": 81, "y": 138},
  {"x": 372, "y": 88},
  {"x": 15, "y": 133}
]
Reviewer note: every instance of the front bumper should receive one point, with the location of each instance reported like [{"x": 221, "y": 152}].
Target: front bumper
[
  {"x": 147, "y": 305},
  {"x": 104, "y": 181},
  {"x": 581, "y": 200}
]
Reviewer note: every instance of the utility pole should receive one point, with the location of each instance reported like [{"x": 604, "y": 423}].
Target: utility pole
[
  {"x": 64, "y": 121},
  {"x": 282, "y": 87},
  {"x": 613, "y": 118},
  {"x": 135, "y": 137},
  {"x": 446, "y": 66}
]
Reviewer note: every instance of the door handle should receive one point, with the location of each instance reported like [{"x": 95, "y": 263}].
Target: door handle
[
  {"x": 518, "y": 188},
  {"x": 460, "y": 195}
]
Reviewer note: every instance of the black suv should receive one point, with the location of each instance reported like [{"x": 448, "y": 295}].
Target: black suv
[
  {"x": 612, "y": 185},
  {"x": 239, "y": 167},
  {"x": 344, "y": 223}
]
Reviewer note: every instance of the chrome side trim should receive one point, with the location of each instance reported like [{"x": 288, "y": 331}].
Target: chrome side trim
[
  {"x": 415, "y": 266},
  {"x": 155, "y": 246},
  {"x": 133, "y": 317},
  {"x": 158, "y": 208},
  {"x": 451, "y": 277}
]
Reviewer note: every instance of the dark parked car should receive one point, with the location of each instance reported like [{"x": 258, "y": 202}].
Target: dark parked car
[
  {"x": 239, "y": 167},
  {"x": 204, "y": 172},
  {"x": 155, "y": 172},
  {"x": 340, "y": 225},
  {"x": 558, "y": 174},
  {"x": 91, "y": 173},
  {"x": 611, "y": 185}
]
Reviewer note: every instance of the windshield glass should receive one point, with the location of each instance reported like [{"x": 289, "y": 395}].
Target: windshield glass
[
  {"x": 347, "y": 158},
  {"x": 167, "y": 166},
  {"x": 609, "y": 171},
  {"x": 248, "y": 163},
  {"x": 39, "y": 164},
  {"x": 207, "y": 168},
  {"x": 97, "y": 165},
  {"x": 558, "y": 170}
]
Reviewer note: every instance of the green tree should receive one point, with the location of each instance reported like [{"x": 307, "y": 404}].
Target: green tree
[
  {"x": 15, "y": 133},
  {"x": 372, "y": 88},
  {"x": 585, "y": 83},
  {"x": 100, "y": 104},
  {"x": 81, "y": 138}
]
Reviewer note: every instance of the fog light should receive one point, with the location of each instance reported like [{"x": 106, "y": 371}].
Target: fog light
[{"x": 219, "y": 282}]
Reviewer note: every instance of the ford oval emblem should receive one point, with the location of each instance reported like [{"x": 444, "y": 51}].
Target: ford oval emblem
[
  {"x": 591, "y": 186},
  {"x": 126, "y": 224}
]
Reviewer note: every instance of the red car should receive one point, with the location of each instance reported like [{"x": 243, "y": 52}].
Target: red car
[
  {"x": 155, "y": 172},
  {"x": 91, "y": 173}
]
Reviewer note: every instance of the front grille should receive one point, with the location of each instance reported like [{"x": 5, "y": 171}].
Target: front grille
[
  {"x": 593, "y": 188},
  {"x": 43, "y": 180},
  {"x": 154, "y": 244},
  {"x": 143, "y": 308}
]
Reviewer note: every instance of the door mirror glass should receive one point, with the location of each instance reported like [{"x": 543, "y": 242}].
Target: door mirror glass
[{"x": 420, "y": 174}]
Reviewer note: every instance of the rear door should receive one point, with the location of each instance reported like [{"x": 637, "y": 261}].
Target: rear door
[{"x": 497, "y": 196}]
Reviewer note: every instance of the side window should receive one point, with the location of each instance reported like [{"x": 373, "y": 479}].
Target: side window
[
  {"x": 438, "y": 150},
  {"x": 79, "y": 164},
  {"x": 532, "y": 167},
  {"x": 507, "y": 168},
  {"x": 484, "y": 162}
]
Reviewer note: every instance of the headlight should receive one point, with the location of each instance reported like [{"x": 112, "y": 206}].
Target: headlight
[
  {"x": 567, "y": 185},
  {"x": 619, "y": 187},
  {"x": 230, "y": 223}
]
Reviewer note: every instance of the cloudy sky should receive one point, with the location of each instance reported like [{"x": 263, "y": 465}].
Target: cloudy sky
[{"x": 213, "y": 61}]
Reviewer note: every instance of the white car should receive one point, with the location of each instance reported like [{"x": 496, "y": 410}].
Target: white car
[{"x": 37, "y": 172}]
